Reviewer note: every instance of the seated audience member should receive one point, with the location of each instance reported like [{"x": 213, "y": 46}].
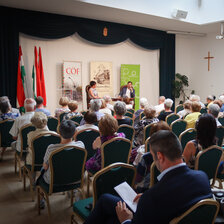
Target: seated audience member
[
  {"x": 90, "y": 119},
  {"x": 160, "y": 107},
  {"x": 167, "y": 105},
  {"x": 66, "y": 131},
  {"x": 6, "y": 111},
  {"x": 186, "y": 110},
  {"x": 209, "y": 100},
  {"x": 196, "y": 98},
  {"x": 104, "y": 109},
  {"x": 221, "y": 98},
  {"x": 206, "y": 130},
  {"x": 219, "y": 103},
  {"x": 72, "y": 106},
  {"x": 171, "y": 195},
  {"x": 193, "y": 116},
  {"x": 39, "y": 121},
  {"x": 150, "y": 118},
  {"x": 143, "y": 103},
  {"x": 145, "y": 161},
  {"x": 108, "y": 127},
  {"x": 13, "y": 110},
  {"x": 92, "y": 91},
  {"x": 40, "y": 106},
  {"x": 120, "y": 110},
  {"x": 64, "y": 101},
  {"x": 214, "y": 109},
  {"x": 128, "y": 103},
  {"x": 29, "y": 105},
  {"x": 107, "y": 101}
]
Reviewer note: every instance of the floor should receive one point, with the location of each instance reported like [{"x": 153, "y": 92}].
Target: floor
[{"x": 16, "y": 205}]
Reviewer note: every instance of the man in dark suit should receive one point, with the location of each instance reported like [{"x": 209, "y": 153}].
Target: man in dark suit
[
  {"x": 177, "y": 190},
  {"x": 127, "y": 91}
]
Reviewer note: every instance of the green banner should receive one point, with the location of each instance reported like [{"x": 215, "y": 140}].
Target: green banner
[{"x": 131, "y": 73}]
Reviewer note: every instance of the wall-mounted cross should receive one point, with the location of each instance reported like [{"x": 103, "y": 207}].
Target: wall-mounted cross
[{"x": 208, "y": 60}]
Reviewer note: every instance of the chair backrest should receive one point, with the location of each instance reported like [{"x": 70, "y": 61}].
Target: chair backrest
[
  {"x": 5, "y": 138},
  {"x": 221, "y": 120},
  {"x": 220, "y": 135},
  {"x": 208, "y": 160},
  {"x": 204, "y": 211},
  {"x": 77, "y": 118},
  {"x": 147, "y": 129},
  {"x": 23, "y": 132},
  {"x": 109, "y": 177},
  {"x": 131, "y": 110},
  {"x": 187, "y": 136},
  {"x": 203, "y": 110},
  {"x": 128, "y": 130},
  {"x": 115, "y": 150},
  {"x": 52, "y": 123},
  {"x": 132, "y": 121},
  {"x": 61, "y": 116},
  {"x": 178, "y": 126},
  {"x": 39, "y": 146},
  {"x": 88, "y": 136},
  {"x": 154, "y": 173},
  {"x": 172, "y": 117},
  {"x": 129, "y": 114},
  {"x": 142, "y": 115},
  {"x": 87, "y": 95},
  {"x": 179, "y": 108},
  {"x": 67, "y": 167}
]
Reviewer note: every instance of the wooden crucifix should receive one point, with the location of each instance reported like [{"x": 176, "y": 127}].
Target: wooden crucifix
[{"x": 208, "y": 60}]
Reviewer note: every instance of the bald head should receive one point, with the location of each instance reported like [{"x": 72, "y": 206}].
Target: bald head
[{"x": 29, "y": 104}]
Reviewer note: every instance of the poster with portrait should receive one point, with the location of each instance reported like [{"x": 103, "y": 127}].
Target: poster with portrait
[
  {"x": 72, "y": 81},
  {"x": 101, "y": 73}
]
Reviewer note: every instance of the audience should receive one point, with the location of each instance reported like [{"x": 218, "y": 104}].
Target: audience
[
  {"x": 209, "y": 100},
  {"x": 171, "y": 195},
  {"x": 13, "y": 110},
  {"x": 120, "y": 110},
  {"x": 143, "y": 103},
  {"x": 221, "y": 98},
  {"x": 196, "y": 98},
  {"x": 160, "y": 107},
  {"x": 64, "y": 101},
  {"x": 168, "y": 103},
  {"x": 6, "y": 111},
  {"x": 104, "y": 109},
  {"x": 29, "y": 105},
  {"x": 187, "y": 109},
  {"x": 214, "y": 110},
  {"x": 40, "y": 106},
  {"x": 108, "y": 127},
  {"x": 107, "y": 101},
  {"x": 128, "y": 103},
  {"x": 72, "y": 106},
  {"x": 193, "y": 116},
  {"x": 206, "y": 130}
]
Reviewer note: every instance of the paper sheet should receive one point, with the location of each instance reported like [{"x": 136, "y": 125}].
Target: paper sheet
[{"x": 127, "y": 194}]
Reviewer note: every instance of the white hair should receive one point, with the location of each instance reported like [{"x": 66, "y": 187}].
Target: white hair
[
  {"x": 221, "y": 98},
  {"x": 168, "y": 103},
  {"x": 143, "y": 102},
  {"x": 194, "y": 98},
  {"x": 107, "y": 98},
  {"x": 29, "y": 103},
  {"x": 95, "y": 104},
  {"x": 214, "y": 110}
]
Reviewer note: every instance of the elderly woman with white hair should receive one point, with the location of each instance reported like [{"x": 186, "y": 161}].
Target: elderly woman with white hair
[
  {"x": 196, "y": 98},
  {"x": 120, "y": 110},
  {"x": 107, "y": 101},
  {"x": 221, "y": 98},
  {"x": 167, "y": 105}
]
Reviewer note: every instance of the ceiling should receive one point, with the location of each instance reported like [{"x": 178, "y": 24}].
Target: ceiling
[{"x": 105, "y": 13}]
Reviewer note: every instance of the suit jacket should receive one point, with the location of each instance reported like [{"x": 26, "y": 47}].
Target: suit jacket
[
  {"x": 123, "y": 92},
  {"x": 177, "y": 191}
]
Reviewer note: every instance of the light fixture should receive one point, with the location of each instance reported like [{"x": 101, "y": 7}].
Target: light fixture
[
  {"x": 221, "y": 36},
  {"x": 186, "y": 33}
]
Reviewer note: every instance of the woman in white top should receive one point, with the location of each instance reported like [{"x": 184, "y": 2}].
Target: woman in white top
[
  {"x": 92, "y": 91},
  {"x": 104, "y": 109}
]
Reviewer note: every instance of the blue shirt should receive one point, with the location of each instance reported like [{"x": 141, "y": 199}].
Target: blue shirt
[{"x": 45, "y": 111}]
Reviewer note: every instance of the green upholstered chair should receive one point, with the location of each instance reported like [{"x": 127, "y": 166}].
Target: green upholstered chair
[
  {"x": 172, "y": 117},
  {"x": 38, "y": 146},
  {"x": 132, "y": 121},
  {"x": 147, "y": 129},
  {"x": 203, "y": 111},
  {"x": 20, "y": 156},
  {"x": 131, "y": 110},
  {"x": 104, "y": 181},
  {"x": 187, "y": 136},
  {"x": 204, "y": 211},
  {"x": 142, "y": 115},
  {"x": 88, "y": 136},
  {"x": 179, "y": 108},
  {"x": 77, "y": 119},
  {"x": 5, "y": 138},
  {"x": 52, "y": 123},
  {"x": 178, "y": 126},
  {"x": 67, "y": 173},
  {"x": 208, "y": 160},
  {"x": 128, "y": 130},
  {"x": 220, "y": 135},
  {"x": 154, "y": 173},
  {"x": 129, "y": 114},
  {"x": 112, "y": 112},
  {"x": 221, "y": 120}
]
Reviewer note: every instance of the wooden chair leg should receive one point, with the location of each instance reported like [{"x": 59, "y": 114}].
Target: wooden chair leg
[
  {"x": 38, "y": 200},
  {"x": 15, "y": 163},
  {"x": 2, "y": 152},
  {"x": 20, "y": 171},
  {"x": 48, "y": 205},
  {"x": 31, "y": 186},
  {"x": 24, "y": 179}
]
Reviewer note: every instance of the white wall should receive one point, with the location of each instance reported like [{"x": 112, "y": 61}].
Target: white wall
[
  {"x": 190, "y": 53},
  {"x": 74, "y": 48}
]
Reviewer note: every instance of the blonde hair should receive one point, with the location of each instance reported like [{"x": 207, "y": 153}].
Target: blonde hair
[
  {"x": 64, "y": 101},
  {"x": 108, "y": 125},
  {"x": 39, "y": 120},
  {"x": 150, "y": 112},
  {"x": 103, "y": 104},
  {"x": 195, "y": 106},
  {"x": 73, "y": 105}
]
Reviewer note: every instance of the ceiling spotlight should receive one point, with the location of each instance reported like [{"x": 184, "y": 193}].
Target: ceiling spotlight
[{"x": 221, "y": 36}]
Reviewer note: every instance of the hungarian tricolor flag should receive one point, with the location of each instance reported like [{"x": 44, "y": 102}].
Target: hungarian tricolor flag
[
  {"x": 38, "y": 76},
  {"x": 20, "y": 79}
]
